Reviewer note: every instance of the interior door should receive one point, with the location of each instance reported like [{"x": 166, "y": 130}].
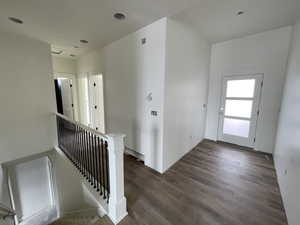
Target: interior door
[
  {"x": 67, "y": 97},
  {"x": 239, "y": 109},
  {"x": 96, "y": 103}
]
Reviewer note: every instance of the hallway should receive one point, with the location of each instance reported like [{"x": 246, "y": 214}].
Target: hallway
[{"x": 214, "y": 184}]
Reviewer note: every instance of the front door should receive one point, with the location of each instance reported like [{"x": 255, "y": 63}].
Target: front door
[{"x": 239, "y": 109}]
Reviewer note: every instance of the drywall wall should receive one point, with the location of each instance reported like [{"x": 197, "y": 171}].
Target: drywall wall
[
  {"x": 134, "y": 86},
  {"x": 26, "y": 96},
  {"x": 186, "y": 84},
  {"x": 73, "y": 195},
  {"x": 287, "y": 149},
  {"x": 31, "y": 187},
  {"x": 90, "y": 63},
  {"x": 264, "y": 53},
  {"x": 64, "y": 65}
]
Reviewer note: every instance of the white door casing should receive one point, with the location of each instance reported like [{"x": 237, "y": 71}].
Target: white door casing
[{"x": 239, "y": 109}]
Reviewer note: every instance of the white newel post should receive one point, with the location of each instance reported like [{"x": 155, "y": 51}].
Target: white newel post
[{"x": 117, "y": 209}]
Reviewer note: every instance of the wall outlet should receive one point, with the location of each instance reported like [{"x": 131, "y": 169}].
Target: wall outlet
[{"x": 143, "y": 41}]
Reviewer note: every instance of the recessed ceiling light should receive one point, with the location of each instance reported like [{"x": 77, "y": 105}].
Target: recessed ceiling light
[
  {"x": 239, "y": 13},
  {"x": 15, "y": 20},
  {"x": 56, "y": 52},
  {"x": 72, "y": 55},
  {"x": 84, "y": 41},
  {"x": 119, "y": 16}
]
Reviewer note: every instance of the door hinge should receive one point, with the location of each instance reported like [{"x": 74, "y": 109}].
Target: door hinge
[
  {"x": 71, "y": 85},
  {"x": 258, "y": 112},
  {"x": 72, "y": 105},
  {"x": 262, "y": 83},
  {"x": 254, "y": 140}
]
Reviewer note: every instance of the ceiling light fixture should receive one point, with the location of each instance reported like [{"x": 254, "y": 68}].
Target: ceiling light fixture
[
  {"x": 239, "y": 13},
  {"x": 119, "y": 16},
  {"x": 84, "y": 41},
  {"x": 56, "y": 52},
  {"x": 15, "y": 20}
]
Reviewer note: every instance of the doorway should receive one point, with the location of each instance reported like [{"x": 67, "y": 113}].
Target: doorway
[
  {"x": 239, "y": 109},
  {"x": 65, "y": 97}
]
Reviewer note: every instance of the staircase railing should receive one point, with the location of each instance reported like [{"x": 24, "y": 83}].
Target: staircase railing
[
  {"x": 6, "y": 212},
  {"x": 99, "y": 158}
]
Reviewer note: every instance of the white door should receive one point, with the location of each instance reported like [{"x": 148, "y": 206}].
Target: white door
[
  {"x": 96, "y": 103},
  {"x": 67, "y": 97},
  {"x": 239, "y": 109}
]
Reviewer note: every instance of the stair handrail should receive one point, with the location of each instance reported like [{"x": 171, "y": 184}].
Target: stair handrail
[
  {"x": 8, "y": 211},
  {"x": 82, "y": 126}
]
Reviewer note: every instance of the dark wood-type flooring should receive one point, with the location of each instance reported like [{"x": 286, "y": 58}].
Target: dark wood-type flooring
[{"x": 214, "y": 184}]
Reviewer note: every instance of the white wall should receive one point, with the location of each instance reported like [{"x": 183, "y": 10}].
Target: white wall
[
  {"x": 91, "y": 62},
  {"x": 32, "y": 188},
  {"x": 287, "y": 149},
  {"x": 186, "y": 84},
  {"x": 26, "y": 96},
  {"x": 260, "y": 53},
  {"x": 132, "y": 72},
  {"x": 27, "y": 101},
  {"x": 64, "y": 65},
  {"x": 72, "y": 193}
]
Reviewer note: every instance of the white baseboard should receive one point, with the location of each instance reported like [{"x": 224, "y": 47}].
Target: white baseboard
[{"x": 135, "y": 154}]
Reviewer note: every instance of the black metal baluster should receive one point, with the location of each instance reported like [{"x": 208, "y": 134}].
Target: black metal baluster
[
  {"x": 98, "y": 163},
  {"x": 103, "y": 169},
  {"x": 88, "y": 157},
  {"x": 91, "y": 158},
  {"x": 78, "y": 149},
  {"x": 101, "y": 166},
  {"x": 107, "y": 170},
  {"x": 95, "y": 161},
  {"x": 84, "y": 153}
]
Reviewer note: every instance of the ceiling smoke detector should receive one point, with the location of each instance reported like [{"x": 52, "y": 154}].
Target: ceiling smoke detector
[
  {"x": 239, "y": 13},
  {"x": 15, "y": 20},
  {"x": 119, "y": 16}
]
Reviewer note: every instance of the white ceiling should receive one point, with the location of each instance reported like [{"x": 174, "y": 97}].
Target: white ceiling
[
  {"x": 63, "y": 23},
  {"x": 217, "y": 20}
]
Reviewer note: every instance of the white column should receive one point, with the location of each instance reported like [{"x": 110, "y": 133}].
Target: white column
[{"x": 117, "y": 209}]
